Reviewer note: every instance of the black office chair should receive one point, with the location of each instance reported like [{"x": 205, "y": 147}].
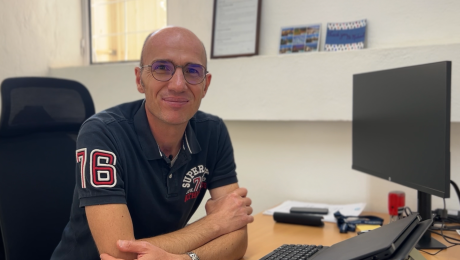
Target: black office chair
[{"x": 39, "y": 122}]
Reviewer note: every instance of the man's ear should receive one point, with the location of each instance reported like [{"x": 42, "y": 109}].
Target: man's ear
[
  {"x": 206, "y": 84},
  {"x": 139, "y": 84}
]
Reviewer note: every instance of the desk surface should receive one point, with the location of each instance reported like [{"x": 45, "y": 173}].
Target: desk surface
[{"x": 265, "y": 235}]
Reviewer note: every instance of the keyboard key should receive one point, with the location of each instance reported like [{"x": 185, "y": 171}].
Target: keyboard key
[{"x": 293, "y": 252}]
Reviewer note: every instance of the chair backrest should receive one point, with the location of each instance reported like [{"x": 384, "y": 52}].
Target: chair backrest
[{"x": 39, "y": 122}]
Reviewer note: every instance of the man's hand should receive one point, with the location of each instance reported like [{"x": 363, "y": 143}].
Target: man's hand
[
  {"x": 144, "y": 251},
  {"x": 231, "y": 211}
]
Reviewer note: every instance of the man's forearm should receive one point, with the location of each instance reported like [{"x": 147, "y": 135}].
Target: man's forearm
[
  {"x": 188, "y": 238},
  {"x": 231, "y": 246},
  {"x": 201, "y": 239}
]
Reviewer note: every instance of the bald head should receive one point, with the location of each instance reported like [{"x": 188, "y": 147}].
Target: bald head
[{"x": 169, "y": 34}]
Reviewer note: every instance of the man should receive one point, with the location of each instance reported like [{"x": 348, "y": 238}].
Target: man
[{"x": 143, "y": 167}]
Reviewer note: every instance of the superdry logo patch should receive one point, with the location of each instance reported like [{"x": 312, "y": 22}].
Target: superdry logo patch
[{"x": 194, "y": 181}]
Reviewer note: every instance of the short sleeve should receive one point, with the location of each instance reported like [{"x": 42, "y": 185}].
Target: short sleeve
[
  {"x": 99, "y": 175},
  {"x": 224, "y": 172}
]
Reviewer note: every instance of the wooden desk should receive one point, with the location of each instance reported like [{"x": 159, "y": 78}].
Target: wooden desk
[{"x": 265, "y": 235}]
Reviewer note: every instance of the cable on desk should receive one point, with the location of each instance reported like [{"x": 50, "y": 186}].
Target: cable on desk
[
  {"x": 436, "y": 252},
  {"x": 442, "y": 228},
  {"x": 405, "y": 211},
  {"x": 448, "y": 228},
  {"x": 456, "y": 189},
  {"x": 445, "y": 236},
  {"x": 453, "y": 220},
  {"x": 443, "y": 225}
]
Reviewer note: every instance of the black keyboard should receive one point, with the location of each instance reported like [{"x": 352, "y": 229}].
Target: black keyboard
[{"x": 294, "y": 252}]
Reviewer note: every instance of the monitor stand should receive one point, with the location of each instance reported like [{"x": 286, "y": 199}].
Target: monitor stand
[{"x": 424, "y": 210}]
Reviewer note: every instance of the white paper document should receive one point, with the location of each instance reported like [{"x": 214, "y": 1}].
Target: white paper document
[{"x": 346, "y": 210}]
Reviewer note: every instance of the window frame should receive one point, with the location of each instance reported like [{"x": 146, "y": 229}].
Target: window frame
[{"x": 86, "y": 44}]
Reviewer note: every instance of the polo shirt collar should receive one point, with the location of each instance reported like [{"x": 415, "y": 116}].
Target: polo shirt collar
[
  {"x": 148, "y": 143},
  {"x": 144, "y": 134},
  {"x": 190, "y": 142}
]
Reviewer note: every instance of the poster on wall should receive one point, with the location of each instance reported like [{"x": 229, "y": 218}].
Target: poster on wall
[
  {"x": 235, "y": 29},
  {"x": 345, "y": 36},
  {"x": 296, "y": 39}
]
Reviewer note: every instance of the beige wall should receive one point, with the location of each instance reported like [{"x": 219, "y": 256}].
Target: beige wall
[
  {"x": 37, "y": 35},
  {"x": 311, "y": 161}
]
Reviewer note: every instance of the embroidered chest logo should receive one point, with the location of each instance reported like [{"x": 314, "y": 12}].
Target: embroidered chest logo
[{"x": 194, "y": 181}]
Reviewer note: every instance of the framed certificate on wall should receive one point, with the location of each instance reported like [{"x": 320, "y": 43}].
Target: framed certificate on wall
[{"x": 235, "y": 30}]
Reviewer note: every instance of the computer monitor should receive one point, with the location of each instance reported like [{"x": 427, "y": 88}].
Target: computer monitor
[{"x": 401, "y": 130}]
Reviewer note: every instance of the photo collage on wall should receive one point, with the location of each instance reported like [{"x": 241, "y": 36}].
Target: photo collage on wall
[
  {"x": 345, "y": 36},
  {"x": 300, "y": 39}
]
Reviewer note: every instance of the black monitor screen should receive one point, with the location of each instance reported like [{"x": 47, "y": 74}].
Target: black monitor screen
[{"x": 401, "y": 126}]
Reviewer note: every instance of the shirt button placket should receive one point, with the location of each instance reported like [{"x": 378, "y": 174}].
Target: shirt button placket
[{"x": 170, "y": 183}]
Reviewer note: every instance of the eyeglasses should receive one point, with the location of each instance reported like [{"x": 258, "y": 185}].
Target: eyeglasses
[{"x": 163, "y": 70}]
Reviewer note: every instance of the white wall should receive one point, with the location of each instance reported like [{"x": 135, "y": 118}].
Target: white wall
[
  {"x": 311, "y": 161},
  {"x": 392, "y": 23},
  {"x": 37, "y": 35},
  {"x": 310, "y": 87},
  {"x": 304, "y": 159}
]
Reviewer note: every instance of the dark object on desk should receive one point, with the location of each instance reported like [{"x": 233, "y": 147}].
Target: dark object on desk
[
  {"x": 38, "y": 127},
  {"x": 404, "y": 250},
  {"x": 298, "y": 252},
  {"x": 448, "y": 216},
  {"x": 302, "y": 210},
  {"x": 298, "y": 218},
  {"x": 392, "y": 241},
  {"x": 348, "y": 223},
  {"x": 378, "y": 244}
]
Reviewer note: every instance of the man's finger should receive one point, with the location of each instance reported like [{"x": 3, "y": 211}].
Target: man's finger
[
  {"x": 248, "y": 201},
  {"x": 249, "y": 210},
  {"x": 241, "y": 192},
  {"x": 139, "y": 247}
]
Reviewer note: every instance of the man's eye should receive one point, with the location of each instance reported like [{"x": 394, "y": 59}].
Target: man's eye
[
  {"x": 161, "y": 67},
  {"x": 192, "y": 71}
]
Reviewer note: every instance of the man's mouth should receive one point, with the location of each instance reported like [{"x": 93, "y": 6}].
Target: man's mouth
[{"x": 175, "y": 101}]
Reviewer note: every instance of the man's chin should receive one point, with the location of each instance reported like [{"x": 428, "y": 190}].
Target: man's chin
[{"x": 176, "y": 120}]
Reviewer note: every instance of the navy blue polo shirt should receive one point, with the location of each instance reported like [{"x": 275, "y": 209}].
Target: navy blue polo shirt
[{"x": 119, "y": 161}]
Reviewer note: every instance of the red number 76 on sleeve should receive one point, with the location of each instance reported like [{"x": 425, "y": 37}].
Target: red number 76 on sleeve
[{"x": 101, "y": 167}]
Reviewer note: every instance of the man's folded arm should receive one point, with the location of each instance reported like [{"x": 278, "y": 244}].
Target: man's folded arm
[
  {"x": 109, "y": 223},
  {"x": 112, "y": 222},
  {"x": 228, "y": 213}
]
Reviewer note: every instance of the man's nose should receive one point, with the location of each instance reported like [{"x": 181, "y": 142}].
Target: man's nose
[{"x": 177, "y": 82}]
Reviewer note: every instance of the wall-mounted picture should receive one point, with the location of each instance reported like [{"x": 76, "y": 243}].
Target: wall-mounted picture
[
  {"x": 235, "y": 29},
  {"x": 345, "y": 36},
  {"x": 304, "y": 38}
]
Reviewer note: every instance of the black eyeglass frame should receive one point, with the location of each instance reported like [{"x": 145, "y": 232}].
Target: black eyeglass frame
[{"x": 175, "y": 69}]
